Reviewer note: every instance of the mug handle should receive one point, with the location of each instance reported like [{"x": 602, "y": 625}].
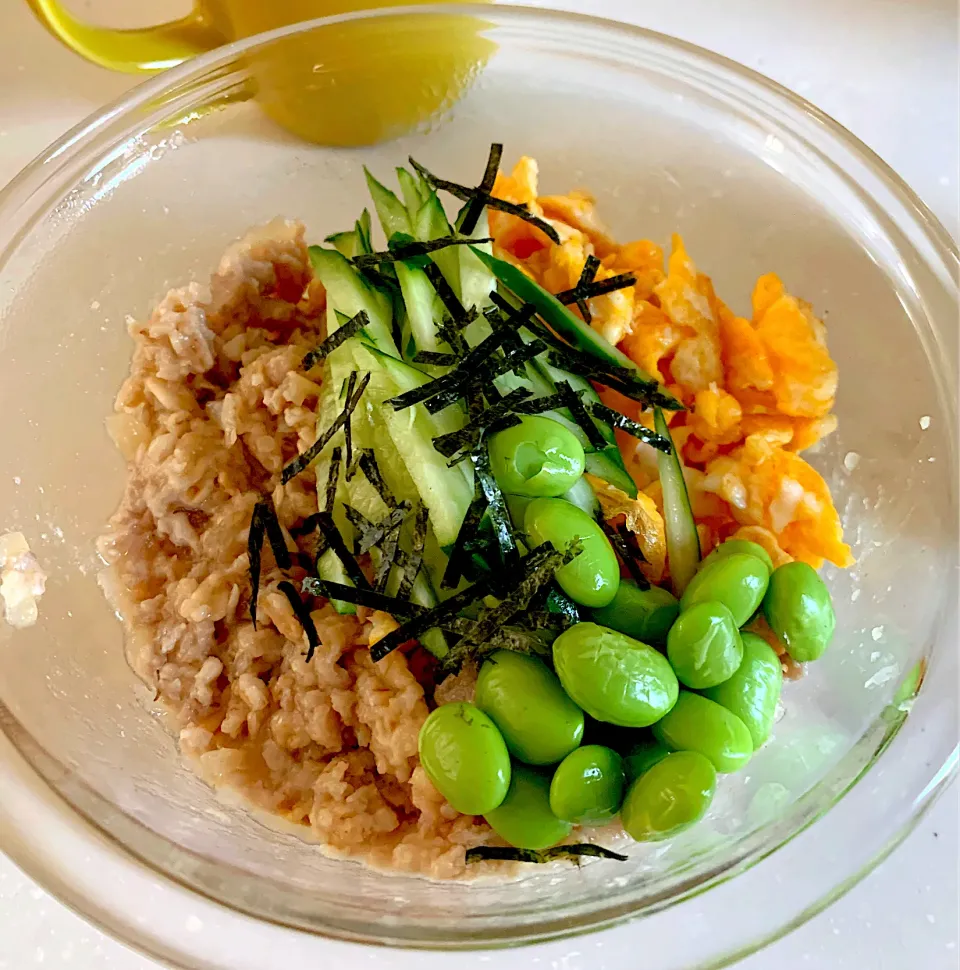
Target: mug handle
[{"x": 132, "y": 51}]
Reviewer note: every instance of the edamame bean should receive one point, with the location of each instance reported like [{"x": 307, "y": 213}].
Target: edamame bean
[
  {"x": 641, "y": 756},
  {"x": 536, "y": 457},
  {"x": 753, "y": 691},
  {"x": 669, "y": 797},
  {"x": 613, "y": 677},
  {"x": 587, "y": 787},
  {"x": 465, "y": 757},
  {"x": 799, "y": 610},
  {"x": 593, "y": 576},
  {"x": 524, "y": 818},
  {"x": 704, "y": 646},
  {"x": 745, "y": 547},
  {"x": 738, "y": 581},
  {"x": 536, "y": 717},
  {"x": 698, "y": 724},
  {"x": 644, "y": 614}
]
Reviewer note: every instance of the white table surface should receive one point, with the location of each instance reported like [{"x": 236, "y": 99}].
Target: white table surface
[{"x": 888, "y": 70}]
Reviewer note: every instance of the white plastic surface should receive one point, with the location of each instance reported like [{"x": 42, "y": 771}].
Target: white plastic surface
[{"x": 888, "y": 71}]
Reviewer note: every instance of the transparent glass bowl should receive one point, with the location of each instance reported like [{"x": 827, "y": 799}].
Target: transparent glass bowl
[{"x": 149, "y": 192}]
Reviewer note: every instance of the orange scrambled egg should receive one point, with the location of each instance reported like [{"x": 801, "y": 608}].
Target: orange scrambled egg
[{"x": 757, "y": 391}]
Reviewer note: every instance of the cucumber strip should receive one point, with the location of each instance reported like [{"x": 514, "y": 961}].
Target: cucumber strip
[
  {"x": 390, "y": 210},
  {"x": 446, "y": 492},
  {"x": 683, "y": 542},
  {"x": 582, "y": 495},
  {"x": 572, "y": 328},
  {"x": 346, "y": 243},
  {"x": 476, "y": 279},
  {"x": 331, "y": 569},
  {"x": 349, "y": 293},
  {"x": 608, "y": 465},
  {"x": 362, "y": 228},
  {"x": 431, "y": 223},
  {"x": 420, "y": 299},
  {"x": 410, "y": 190}
]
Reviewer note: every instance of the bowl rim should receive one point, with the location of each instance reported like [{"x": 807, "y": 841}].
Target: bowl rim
[{"x": 73, "y": 142}]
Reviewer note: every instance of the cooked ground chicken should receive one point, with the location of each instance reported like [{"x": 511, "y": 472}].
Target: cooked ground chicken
[{"x": 213, "y": 408}]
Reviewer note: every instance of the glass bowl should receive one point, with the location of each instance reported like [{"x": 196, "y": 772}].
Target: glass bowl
[{"x": 670, "y": 138}]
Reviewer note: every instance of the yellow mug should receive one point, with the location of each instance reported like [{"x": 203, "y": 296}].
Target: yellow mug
[{"x": 352, "y": 83}]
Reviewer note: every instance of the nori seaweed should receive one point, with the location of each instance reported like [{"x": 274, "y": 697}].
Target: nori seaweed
[
  {"x": 468, "y": 437},
  {"x": 474, "y": 208},
  {"x": 435, "y": 359},
  {"x": 572, "y": 853},
  {"x": 578, "y": 412},
  {"x": 254, "y": 549},
  {"x": 362, "y": 597},
  {"x": 371, "y": 470},
  {"x": 448, "y": 298},
  {"x": 353, "y": 326},
  {"x": 333, "y": 540},
  {"x": 465, "y": 194},
  {"x": 410, "y": 251},
  {"x": 457, "y": 560},
  {"x": 303, "y": 461},
  {"x": 587, "y": 287},
  {"x": 414, "y": 559},
  {"x": 302, "y": 614},
  {"x": 617, "y": 420},
  {"x": 496, "y": 508}
]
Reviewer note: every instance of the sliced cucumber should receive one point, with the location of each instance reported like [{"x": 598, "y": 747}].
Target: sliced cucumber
[
  {"x": 349, "y": 293},
  {"x": 390, "y": 210},
  {"x": 683, "y": 542},
  {"x": 477, "y": 282},
  {"x": 583, "y": 496},
  {"x": 431, "y": 223},
  {"x": 581, "y": 335},
  {"x": 362, "y": 228},
  {"x": 446, "y": 492},
  {"x": 410, "y": 190},
  {"x": 420, "y": 299},
  {"x": 346, "y": 243},
  {"x": 331, "y": 569}
]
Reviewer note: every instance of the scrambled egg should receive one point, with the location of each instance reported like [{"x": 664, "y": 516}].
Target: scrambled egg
[{"x": 758, "y": 391}]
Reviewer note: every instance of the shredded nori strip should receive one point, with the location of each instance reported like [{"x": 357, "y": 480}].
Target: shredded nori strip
[
  {"x": 536, "y": 569},
  {"x": 351, "y": 384},
  {"x": 371, "y": 471},
  {"x": 373, "y": 533},
  {"x": 507, "y": 853},
  {"x": 620, "y": 379},
  {"x": 349, "y": 329},
  {"x": 434, "y": 618},
  {"x": 254, "y": 549},
  {"x": 547, "y": 402},
  {"x": 333, "y": 540},
  {"x": 465, "y": 194},
  {"x": 414, "y": 559},
  {"x": 558, "y": 602},
  {"x": 449, "y": 332},
  {"x": 444, "y": 290},
  {"x": 303, "y": 461},
  {"x": 578, "y": 412},
  {"x": 464, "y": 373},
  {"x": 617, "y": 420},
  {"x": 469, "y": 435},
  {"x": 587, "y": 288},
  {"x": 434, "y": 358},
  {"x": 496, "y": 508},
  {"x": 302, "y": 613},
  {"x": 362, "y": 597},
  {"x": 620, "y": 547},
  {"x": 457, "y": 561},
  {"x": 333, "y": 477},
  {"x": 474, "y": 207},
  {"x": 411, "y": 250},
  {"x": 278, "y": 543}
]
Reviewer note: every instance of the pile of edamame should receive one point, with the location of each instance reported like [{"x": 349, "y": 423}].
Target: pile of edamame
[{"x": 697, "y": 692}]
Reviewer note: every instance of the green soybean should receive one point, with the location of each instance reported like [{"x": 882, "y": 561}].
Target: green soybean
[
  {"x": 702, "y": 725},
  {"x": 644, "y": 614},
  {"x": 799, "y": 610},
  {"x": 524, "y": 818},
  {"x": 745, "y": 547},
  {"x": 641, "y": 756},
  {"x": 704, "y": 646},
  {"x": 738, "y": 581},
  {"x": 593, "y": 576},
  {"x": 464, "y": 755},
  {"x": 669, "y": 797},
  {"x": 613, "y": 677},
  {"x": 753, "y": 691},
  {"x": 536, "y": 457},
  {"x": 536, "y": 717},
  {"x": 587, "y": 787}
]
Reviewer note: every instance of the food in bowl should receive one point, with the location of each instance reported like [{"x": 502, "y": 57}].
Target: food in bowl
[{"x": 401, "y": 525}]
